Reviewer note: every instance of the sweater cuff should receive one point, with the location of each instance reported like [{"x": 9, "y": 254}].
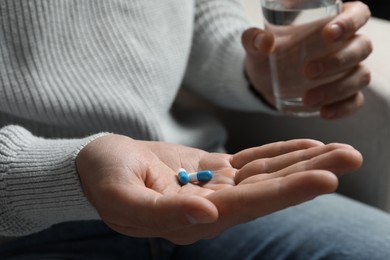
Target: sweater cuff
[{"x": 39, "y": 184}]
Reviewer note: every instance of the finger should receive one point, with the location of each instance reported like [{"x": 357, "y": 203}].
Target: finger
[
  {"x": 354, "y": 15},
  {"x": 257, "y": 42},
  {"x": 339, "y": 90},
  {"x": 353, "y": 53},
  {"x": 258, "y": 199},
  {"x": 274, "y": 164},
  {"x": 141, "y": 212},
  {"x": 243, "y": 157},
  {"x": 338, "y": 161},
  {"x": 343, "y": 108}
]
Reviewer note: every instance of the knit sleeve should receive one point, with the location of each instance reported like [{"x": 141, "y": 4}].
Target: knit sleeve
[
  {"x": 216, "y": 66},
  {"x": 39, "y": 185}
]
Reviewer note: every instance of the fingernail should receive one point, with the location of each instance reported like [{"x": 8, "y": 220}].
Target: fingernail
[
  {"x": 336, "y": 31},
  {"x": 314, "y": 69},
  {"x": 258, "y": 40}
]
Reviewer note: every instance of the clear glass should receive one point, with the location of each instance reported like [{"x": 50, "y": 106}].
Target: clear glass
[{"x": 297, "y": 26}]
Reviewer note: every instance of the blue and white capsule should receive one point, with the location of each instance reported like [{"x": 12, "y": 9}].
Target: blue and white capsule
[
  {"x": 201, "y": 176},
  {"x": 183, "y": 176}
]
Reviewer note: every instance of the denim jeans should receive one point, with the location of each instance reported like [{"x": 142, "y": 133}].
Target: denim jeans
[{"x": 328, "y": 227}]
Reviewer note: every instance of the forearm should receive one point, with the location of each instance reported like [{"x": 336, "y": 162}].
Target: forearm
[{"x": 39, "y": 184}]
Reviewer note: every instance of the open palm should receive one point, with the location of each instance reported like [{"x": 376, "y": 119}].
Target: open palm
[{"x": 134, "y": 186}]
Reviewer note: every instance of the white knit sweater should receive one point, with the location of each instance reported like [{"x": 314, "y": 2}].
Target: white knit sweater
[{"x": 73, "y": 69}]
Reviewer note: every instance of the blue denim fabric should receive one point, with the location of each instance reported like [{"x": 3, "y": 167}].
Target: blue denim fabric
[{"x": 329, "y": 227}]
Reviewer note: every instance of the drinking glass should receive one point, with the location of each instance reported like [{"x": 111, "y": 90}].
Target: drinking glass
[{"x": 297, "y": 27}]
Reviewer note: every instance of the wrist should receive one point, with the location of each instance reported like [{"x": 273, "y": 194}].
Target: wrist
[{"x": 267, "y": 100}]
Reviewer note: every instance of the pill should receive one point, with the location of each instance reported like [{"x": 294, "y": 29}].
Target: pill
[
  {"x": 201, "y": 176},
  {"x": 183, "y": 176},
  {"x": 205, "y": 175}
]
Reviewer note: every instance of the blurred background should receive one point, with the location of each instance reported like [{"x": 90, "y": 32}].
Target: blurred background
[{"x": 378, "y": 8}]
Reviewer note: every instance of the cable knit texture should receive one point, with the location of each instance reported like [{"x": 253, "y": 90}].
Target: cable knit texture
[{"x": 71, "y": 69}]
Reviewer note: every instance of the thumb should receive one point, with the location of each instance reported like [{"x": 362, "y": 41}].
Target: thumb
[
  {"x": 257, "y": 42},
  {"x": 138, "y": 211}
]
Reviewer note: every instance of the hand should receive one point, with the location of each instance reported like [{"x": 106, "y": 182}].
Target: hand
[
  {"x": 334, "y": 68},
  {"x": 134, "y": 187}
]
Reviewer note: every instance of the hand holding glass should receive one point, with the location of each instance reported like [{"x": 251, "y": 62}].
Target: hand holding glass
[{"x": 297, "y": 26}]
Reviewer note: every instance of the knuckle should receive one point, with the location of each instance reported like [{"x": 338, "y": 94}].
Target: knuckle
[
  {"x": 338, "y": 60},
  {"x": 347, "y": 24},
  {"x": 356, "y": 102},
  {"x": 262, "y": 165},
  {"x": 365, "y": 7},
  {"x": 366, "y": 46},
  {"x": 248, "y": 37},
  {"x": 365, "y": 77},
  {"x": 369, "y": 45}
]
